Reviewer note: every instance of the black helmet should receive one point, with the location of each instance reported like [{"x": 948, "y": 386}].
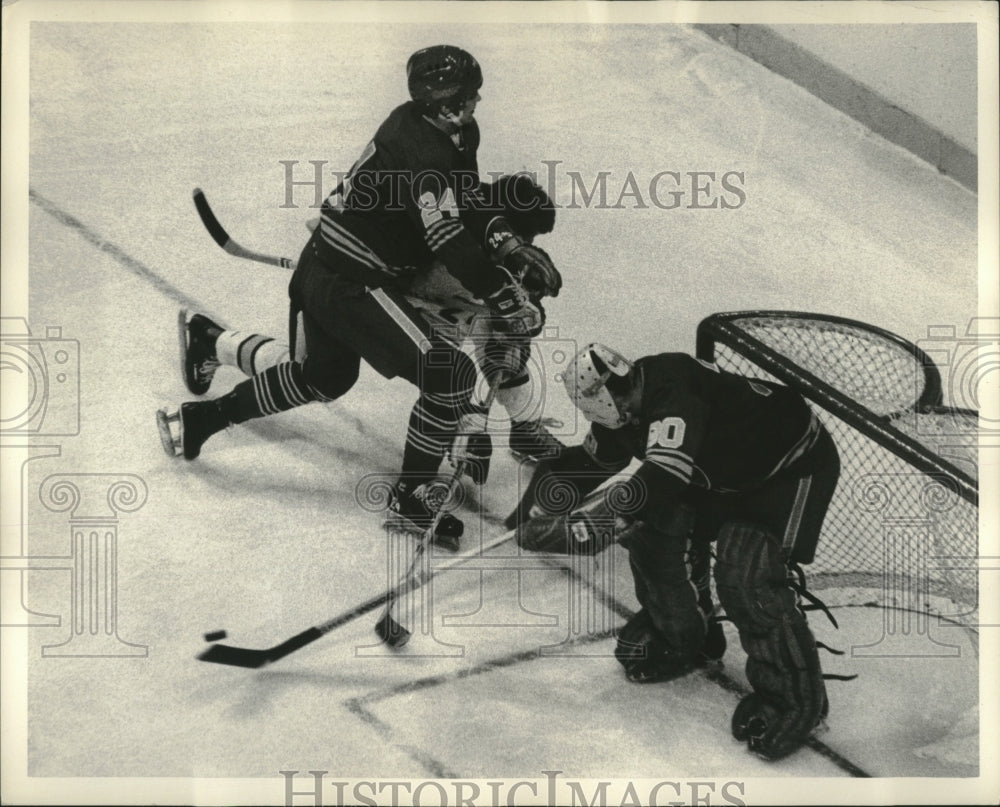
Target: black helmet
[{"x": 442, "y": 77}]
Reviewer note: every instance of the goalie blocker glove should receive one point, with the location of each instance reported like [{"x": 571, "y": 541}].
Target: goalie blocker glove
[{"x": 587, "y": 530}]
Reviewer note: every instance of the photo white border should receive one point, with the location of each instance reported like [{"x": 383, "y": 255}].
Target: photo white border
[{"x": 18, "y": 788}]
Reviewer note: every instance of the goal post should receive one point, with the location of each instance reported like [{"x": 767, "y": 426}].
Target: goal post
[{"x": 902, "y": 528}]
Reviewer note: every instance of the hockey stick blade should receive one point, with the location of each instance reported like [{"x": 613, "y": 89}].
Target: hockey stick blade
[
  {"x": 255, "y": 659},
  {"x": 222, "y": 238},
  {"x": 215, "y": 229}
]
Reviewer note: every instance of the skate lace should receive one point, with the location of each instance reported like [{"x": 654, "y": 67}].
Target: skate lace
[
  {"x": 432, "y": 495},
  {"x": 206, "y": 368},
  {"x": 534, "y": 437}
]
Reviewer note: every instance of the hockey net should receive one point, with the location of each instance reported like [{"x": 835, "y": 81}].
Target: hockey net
[{"x": 902, "y": 528}]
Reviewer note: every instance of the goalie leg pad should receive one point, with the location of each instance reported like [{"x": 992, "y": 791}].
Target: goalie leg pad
[
  {"x": 700, "y": 559},
  {"x": 664, "y": 588},
  {"x": 645, "y": 654},
  {"x": 789, "y": 697}
]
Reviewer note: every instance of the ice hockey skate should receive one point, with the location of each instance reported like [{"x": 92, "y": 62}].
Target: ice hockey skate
[
  {"x": 184, "y": 430},
  {"x": 714, "y": 647},
  {"x": 415, "y": 511},
  {"x": 531, "y": 440},
  {"x": 196, "y": 335}
]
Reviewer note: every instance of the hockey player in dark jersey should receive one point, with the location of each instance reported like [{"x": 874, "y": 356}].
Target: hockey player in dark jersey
[
  {"x": 411, "y": 200},
  {"x": 741, "y": 462}
]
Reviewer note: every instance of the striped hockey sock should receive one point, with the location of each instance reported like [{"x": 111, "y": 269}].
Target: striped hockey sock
[
  {"x": 252, "y": 353},
  {"x": 433, "y": 422},
  {"x": 277, "y": 389}
]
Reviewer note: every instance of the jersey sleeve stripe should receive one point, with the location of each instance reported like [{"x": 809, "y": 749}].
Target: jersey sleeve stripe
[
  {"x": 440, "y": 233},
  {"x": 670, "y": 452},
  {"x": 682, "y": 470},
  {"x": 346, "y": 242},
  {"x": 802, "y": 446}
]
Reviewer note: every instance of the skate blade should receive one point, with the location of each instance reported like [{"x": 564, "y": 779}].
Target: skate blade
[
  {"x": 549, "y": 423},
  {"x": 182, "y": 339},
  {"x": 194, "y": 386},
  {"x": 171, "y": 429},
  {"x": 398, "y": 523},
  {"x": 533, "y": 459}
]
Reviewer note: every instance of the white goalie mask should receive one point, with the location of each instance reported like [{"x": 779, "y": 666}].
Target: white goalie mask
[{"x": 586, "y": 384}]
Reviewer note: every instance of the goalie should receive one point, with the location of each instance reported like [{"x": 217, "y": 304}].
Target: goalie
[{"x": 741, "y": 462}]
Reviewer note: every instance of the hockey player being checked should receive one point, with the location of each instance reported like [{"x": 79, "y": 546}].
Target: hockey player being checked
[
  {"x": 740, "y": 462},
  {"x": 411, "y": 200}
]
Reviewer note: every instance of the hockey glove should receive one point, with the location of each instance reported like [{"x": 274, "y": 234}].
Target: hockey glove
[
  {"x": 559, "y": 535},
  {"x": 588, "y": 530},
  {"x": 534, "y": 268},
  {"x": 513, "y": 311},
  {"x": 526, "y": 262},
  {"x": 559, "y": 485}
]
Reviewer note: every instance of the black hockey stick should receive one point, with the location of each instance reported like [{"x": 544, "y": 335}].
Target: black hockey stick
[
  {"x": 222, "y": 238},
  {"x": 387, "y": 628},
  {"x": 254, "y": 659}
]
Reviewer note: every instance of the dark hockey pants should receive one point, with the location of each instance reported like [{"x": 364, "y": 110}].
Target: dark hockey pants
[{"x": 345, "y": 322}]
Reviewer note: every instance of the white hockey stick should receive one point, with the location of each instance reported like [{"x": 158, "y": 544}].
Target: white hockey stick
[{"x": 222, "y": 238}]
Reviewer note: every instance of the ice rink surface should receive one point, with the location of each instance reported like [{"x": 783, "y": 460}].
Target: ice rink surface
[{"x": 263, "y": 535}]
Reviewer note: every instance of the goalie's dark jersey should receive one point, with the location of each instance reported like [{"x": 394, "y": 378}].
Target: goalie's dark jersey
[
  {"x": 705, "y": 428},
  {"x": 399, "y": 207}
]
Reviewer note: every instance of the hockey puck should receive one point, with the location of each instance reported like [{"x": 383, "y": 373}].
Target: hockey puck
[{"x": 215, "y": 635}]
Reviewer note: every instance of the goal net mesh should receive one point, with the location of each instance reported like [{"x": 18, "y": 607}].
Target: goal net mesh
[{"x": 902, "y": 528}]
